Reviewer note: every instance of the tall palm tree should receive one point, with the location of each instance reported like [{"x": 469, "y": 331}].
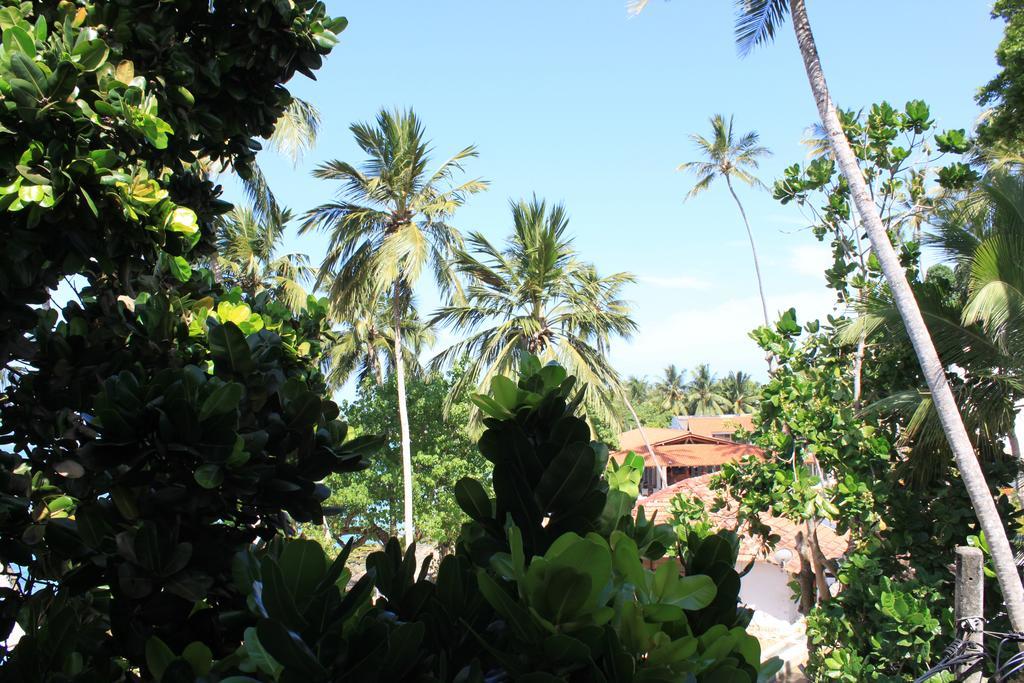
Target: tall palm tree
[
  {"x": 757, "y": 21},
  {"x": 672, "y": 388},
  {"x": 703, "y": 395},
  {"x": 740, "y": 391},
  {"x": 728, "y": 157},
  {"x": 247, "y": 256},
  {"x": 536, "y": 295},
  {"x": 389, "y": 224},
  {"x": 364, "y": 348}
]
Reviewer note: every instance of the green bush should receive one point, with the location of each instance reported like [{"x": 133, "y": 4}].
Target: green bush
[
  {"x": 157, "y": 424},
  {"x": 547, "y": 584}
]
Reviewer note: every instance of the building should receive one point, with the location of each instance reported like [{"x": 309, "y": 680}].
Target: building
[
  {"x": 696, "y": 445},
  {"x": 766, "y": 586}
]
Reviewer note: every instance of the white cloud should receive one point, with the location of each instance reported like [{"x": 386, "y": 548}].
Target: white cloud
[
  {"x": 810, "y": 259},
  {"x": 675, "y": 282},
  {"x": 715, "y": 332}
]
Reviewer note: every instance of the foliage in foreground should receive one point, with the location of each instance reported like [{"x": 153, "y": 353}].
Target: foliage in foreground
[
  {"x": 893, "y": 612},
  {"x": 547, "y": 582},
  {"x": 159, "y": 423}
]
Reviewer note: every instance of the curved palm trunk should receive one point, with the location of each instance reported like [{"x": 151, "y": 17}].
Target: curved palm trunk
[
  {"x": 403, "y": 422},
  {"x": 753, "y": 250},
  {"x": 931, "y": 366},
  {"x": 662, "y": 474}
]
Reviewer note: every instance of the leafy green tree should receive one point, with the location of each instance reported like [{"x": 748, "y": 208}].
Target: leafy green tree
[
  {"x": 825, "y": 460},
  {"x": 725, "y": 156},
  {"x": 247, "y": 256},
  {"x": 387, "y": 227},
  {"x": 536, "y": 295},
  {"x": 910, "y": 168},
  {"x": 757, "y": 21},
  {"x": 1004, "y": 94},
  {"x": 704, "y": 393},
  {"x": 369, "y": 504}
]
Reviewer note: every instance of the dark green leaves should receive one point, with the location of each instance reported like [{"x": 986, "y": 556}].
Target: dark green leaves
[
  {"x": 230, "y": 350},
  {"x": 473, "y": 500},
  {"x": 955, "y": 141},
  {"x": 224, "y": 399}
]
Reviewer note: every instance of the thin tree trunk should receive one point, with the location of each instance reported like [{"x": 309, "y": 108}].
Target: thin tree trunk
[
  {"x": 818, "y": 561},
  {"x": 1018, "y": 480},
  {"x": 403, "y": 421},
  {"x": 858, "y": 368},
  {"x": 753, "y": 250},
  {"x": 658, "y": 467},
  {"x": 805, "y": 578},
  {"x": 931, "y": 366}
]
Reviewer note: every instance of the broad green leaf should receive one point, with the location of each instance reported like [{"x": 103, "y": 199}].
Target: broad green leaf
[
  {"x": 209, "y": 476},
  {"x": 224, "y": 399},
  {"x": 234, "y": 313},
  {"x": 291, "y": 652},
  {"x": 90, "y": 54},
  {"x": 158, "y": 656},
  {"x": 182, "y": 220},
  {"x": 472, "y": 499},
  {"x": 229, "y": 349},
  {"x": 179, "y": 268},
  {"x": 303, "y": 564},
  {"x": 18, "y": 39},
  {"x": 199, "y": 658}
]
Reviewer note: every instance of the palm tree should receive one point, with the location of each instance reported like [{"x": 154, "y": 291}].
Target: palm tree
[
  {"x": 365, "y": 346},
  {"x": 387, "y": 226},
  {"x": 247, "y": 256},
  {"x": 637, "y": 388},
  {"x": 703, "y": 395},
  {"x": 295, "y": 133},
  {"x": 756, "y": 24},
  {"x": 535, "y": 295},
  {"x": 672, "y": 388},
  {"x": 740, "y": 391},
  {"x": 725, "y": 156}
]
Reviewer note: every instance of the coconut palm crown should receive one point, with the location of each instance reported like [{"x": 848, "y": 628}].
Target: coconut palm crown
[{"x": 535, "y": 295}]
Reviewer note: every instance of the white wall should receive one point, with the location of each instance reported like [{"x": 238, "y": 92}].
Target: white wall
[{"x": 766, "y": 588}]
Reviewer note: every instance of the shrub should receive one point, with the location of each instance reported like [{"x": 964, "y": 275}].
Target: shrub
[{"x": 548, "y": 582}]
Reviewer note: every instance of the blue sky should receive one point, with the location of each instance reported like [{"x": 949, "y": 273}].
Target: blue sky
[{"x": 577, "y": 102}]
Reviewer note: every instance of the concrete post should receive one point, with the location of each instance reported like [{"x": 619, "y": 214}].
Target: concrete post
[{"x": 969, "y": 600}]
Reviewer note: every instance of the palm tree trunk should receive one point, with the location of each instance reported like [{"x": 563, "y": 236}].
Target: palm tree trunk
[
  {"x": 659, "y": 468},
  {"x": 1018, "y": 459},
  {"x": 403, "y": 421},
  {"x": 931, "y": 366},
  {"x": 753, "y": 250}
]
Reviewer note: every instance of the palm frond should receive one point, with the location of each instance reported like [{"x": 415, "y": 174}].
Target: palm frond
[
  {"x": 757, "y": 21},
  {"x": 295, "y": 133}
]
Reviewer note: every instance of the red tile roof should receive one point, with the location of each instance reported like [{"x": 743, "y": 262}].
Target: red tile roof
[
  {"x": 709, "y": 425},
  {"x": 633, "y": 441},
  {"x": 832, "y": 544},
  {"x": 678, "y": 448}
]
